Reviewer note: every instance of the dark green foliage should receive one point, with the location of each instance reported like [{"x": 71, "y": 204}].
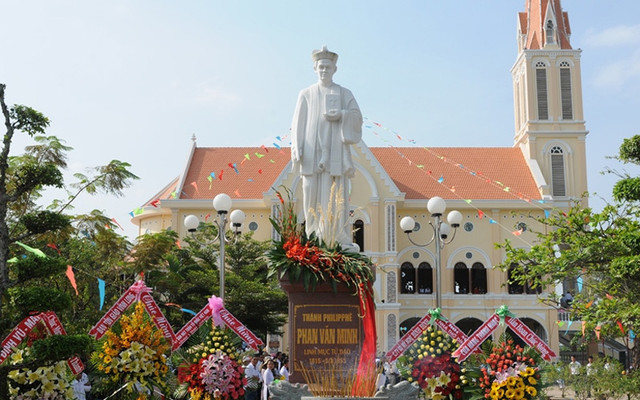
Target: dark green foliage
[
  {"x": 28, "y": 120},
  {"x": 32, "y": 267},
  {"x": 630, "y": 150},
  {"x": 627, "y": 189},
  {"x": 60, "y": 347},
  {"x": 44, "y": 221},
  {"x": 37, "y": 298},
  {"x": 31, "y": 175}
]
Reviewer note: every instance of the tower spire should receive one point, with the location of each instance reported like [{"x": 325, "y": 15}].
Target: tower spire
[{"x": 543, "y": 25}]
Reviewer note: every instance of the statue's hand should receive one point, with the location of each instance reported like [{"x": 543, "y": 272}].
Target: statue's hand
[
  {"x": 350, "y": 172},
  {"x": 333, "y": 115}
]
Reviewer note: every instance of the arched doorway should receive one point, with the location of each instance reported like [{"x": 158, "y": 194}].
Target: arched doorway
[
  {"x": 407, "y": 324},
  {"x": 469, "y": 325}
]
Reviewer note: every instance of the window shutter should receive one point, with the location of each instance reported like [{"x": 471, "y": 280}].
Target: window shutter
[
  {"x": 565, "y": 90},
  {"x": 541, "y": 85},
  {"x": 557, "y": 175}
]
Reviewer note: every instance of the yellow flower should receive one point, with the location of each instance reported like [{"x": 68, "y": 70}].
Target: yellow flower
[
  {"x": 529, "y": 371},
  {"x": 519, "y": 394},
  {"x": 511, "y": 381},
  {"x": 48, "y": 387},
  {"x": 16, "y": 357},
  {"x": 532, "y": 380},
  {"x": 443, "y": 379},
  {"x": 510, "y": 393},
  {"x": 532, "y": 391},
  {"x": 34, "y": 376},
  {"x": 135, "y": 346},
  {"x": 432, "y": 382}
]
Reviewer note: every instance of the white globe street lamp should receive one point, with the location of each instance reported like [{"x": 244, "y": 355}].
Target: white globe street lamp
[
  {"x": 222, "y": 204},
  {"x": 441, "y": 230}
]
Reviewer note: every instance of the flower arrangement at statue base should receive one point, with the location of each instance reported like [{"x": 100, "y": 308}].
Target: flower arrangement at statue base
[
  {"x": 131, "y": 360},
  {"x": 429, "y": 363},
  {"x": 508, "y": 371},
  {"x": 210, "y": 370},
  {"x": 50, "y": 382},
  {"x": 311, "y": 260}
]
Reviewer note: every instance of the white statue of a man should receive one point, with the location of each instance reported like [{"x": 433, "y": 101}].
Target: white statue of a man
[{"x": 326, "y": 122}]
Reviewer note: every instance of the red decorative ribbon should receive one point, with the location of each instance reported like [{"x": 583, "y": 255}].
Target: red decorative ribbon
[{"x": 368, "y": 354}]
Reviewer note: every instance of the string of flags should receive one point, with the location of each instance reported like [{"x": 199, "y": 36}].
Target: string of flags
[{"x": 374, "y": 127}]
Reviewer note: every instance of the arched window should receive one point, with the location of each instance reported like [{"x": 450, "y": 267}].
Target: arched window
[
  {"x": 478, "y": 279},
  {"x": 358, "y": 234},
  {"x": 514, "y": 287},
  {"x": 557, "y": 172},
  {"x": 407, "y": 278},
  {"x": 425, "y": 278},
  {"x": 541, "y": 91},
  {"x": 565, "y": 90},
  {"x": 460, "y": 278}
]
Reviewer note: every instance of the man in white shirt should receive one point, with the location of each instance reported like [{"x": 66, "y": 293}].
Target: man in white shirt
[
  {"x": 254, "y": 378},
  {"x": 574, "y": 366}
]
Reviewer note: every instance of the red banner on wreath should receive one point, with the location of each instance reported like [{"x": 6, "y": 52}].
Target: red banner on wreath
[
  {"x": 414, "y": 333},
  {"x": 17, "y": 335},
  {"x": 530, "y": 337},
  {"x": 136, "y": 292},
  {"x": 53, "y": 325},
  {"x": 157, "y": 316},
  {"x": 215, "y": 309},
  {"x": 114, "y": 313},
  {"x": 191, "y": 327},
  {"x": 475, "y": 340},
  {"x": 408, "y": 338},
  {"x": 232, "y": 322}
]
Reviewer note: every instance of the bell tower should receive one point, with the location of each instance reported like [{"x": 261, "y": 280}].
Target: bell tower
[{"x": 547, "y": 86}]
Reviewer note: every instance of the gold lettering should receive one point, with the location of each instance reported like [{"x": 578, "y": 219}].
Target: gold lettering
[
  {"x": 307, "y": 336},
  {"x": 348, "y": 336},
  {"x": 328, "y": 336},
  {"x": 337, "y": 317},
  {"x": 312, "y": 317}
]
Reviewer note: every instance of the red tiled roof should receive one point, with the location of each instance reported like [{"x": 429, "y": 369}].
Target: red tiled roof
[
  {"x": 257, "y": 169},
  {"x": 474, "y": 173},
  {"x": 165, "y": 193}
]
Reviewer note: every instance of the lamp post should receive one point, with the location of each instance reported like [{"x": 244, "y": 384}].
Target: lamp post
[
  {"x": 441, "y": 231},
  {"x": 222, "y": 205}
]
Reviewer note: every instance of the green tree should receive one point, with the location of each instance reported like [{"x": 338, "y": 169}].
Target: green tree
[
  {"x": 602, "y": 249},
  {"x": 187, "y": 276},
  {"x": 31, "y": 279}
]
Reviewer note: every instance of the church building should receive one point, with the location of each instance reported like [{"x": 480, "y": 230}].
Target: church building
[{"x": 497, "y": 189}]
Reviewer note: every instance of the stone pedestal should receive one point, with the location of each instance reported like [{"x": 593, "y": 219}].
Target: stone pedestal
[{"x": 325, "y": 333}]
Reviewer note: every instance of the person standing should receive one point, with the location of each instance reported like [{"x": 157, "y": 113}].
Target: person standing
[
  {"x": 252, "y": 373},
  {"x": 590, "y": 371},
  {"x": 284, "y": 370},
  {"x": 326, "y": 121},
  {"x": 268, "y": 375}
]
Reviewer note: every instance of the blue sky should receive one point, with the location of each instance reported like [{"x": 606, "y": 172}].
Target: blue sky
[{"x": 134, "y": 80}]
